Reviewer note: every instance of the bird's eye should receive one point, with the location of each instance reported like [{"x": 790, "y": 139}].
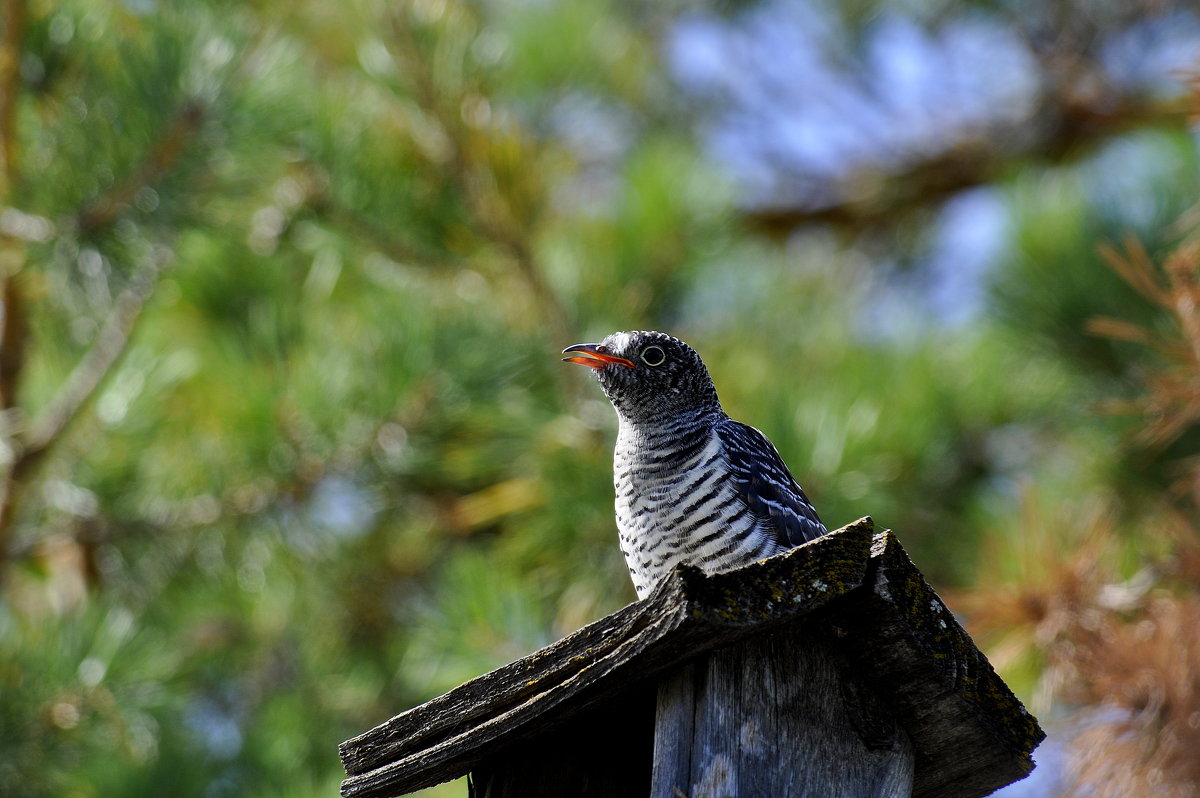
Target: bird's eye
[{"x": 653, "y": 356}]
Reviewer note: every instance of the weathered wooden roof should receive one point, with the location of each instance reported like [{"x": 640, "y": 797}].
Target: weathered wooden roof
[{"x": 970, "y": 732}]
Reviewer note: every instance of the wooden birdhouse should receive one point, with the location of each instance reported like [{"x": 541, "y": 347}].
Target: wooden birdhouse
[{"x": 832, "y": 669}]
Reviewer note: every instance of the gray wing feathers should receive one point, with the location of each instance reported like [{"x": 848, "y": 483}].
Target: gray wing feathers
[{"x": 769, "y": 490}]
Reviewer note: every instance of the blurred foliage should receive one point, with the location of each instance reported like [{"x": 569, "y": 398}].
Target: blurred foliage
[
  {"x": 1101, "y": 620},
  {"x": 288, "y": 445}
]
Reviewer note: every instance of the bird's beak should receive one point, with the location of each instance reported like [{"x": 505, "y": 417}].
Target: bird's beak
[{"x": 590, "y": 356}]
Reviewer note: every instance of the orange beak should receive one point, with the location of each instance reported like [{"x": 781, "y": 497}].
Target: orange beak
[{"x": 593, "y": 356}]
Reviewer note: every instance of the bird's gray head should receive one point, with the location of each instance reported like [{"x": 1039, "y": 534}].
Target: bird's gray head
[{"x": 648, "y": 375}]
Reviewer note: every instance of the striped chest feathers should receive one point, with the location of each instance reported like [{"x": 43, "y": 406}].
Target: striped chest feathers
[
  {"x": 675, "y": 503},
  {"x": 652, "y": 476}
]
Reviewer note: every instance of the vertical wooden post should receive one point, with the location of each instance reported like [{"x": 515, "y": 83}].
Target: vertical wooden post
[{"x": 777, "y": 716}]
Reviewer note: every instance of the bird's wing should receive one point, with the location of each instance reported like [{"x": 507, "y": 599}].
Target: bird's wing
[{"x": 769, "y": 490}]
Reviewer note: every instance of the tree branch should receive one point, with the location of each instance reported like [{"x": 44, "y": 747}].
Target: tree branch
[
  {"x": 88, "y": 374},
  {"x": 10, "y": 76},
  {"x": 29, "y": 449},
  {"x": 489, "y": 210},
  {"x": 105, "y": 209},
  {"x": 1076, "y": 131},
  {"x": 12, "y": 342},
  {"x": 325, "y": 206}
]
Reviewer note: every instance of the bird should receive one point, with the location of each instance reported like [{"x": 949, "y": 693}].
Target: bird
[{"x": 693, "y": 486}]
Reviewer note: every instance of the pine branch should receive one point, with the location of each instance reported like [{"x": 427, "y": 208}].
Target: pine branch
[
  {"x": 163, "y": 155},
  {"x": 1078, "y": 128},
  {"x": 91, "y": 370},
  {"x": 46, "y": 430},
  {"x": 326, "y": 206},
  {"x": 489, "y": 210}
]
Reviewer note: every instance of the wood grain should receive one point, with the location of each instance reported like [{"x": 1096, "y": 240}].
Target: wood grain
[{"x": 773, "y": 717}]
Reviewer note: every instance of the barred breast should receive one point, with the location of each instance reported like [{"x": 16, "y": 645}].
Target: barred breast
[{"x": 676, "y": 503}]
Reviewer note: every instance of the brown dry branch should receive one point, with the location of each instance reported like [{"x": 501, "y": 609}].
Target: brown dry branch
[
  {"x": 1141, "y": 679},
  {"x": 1120, "y": 651},
  {"x": 1170, "y": 401},
  {"x": 1136, "y": 267},
  {"x": 1137, "y": 668}
]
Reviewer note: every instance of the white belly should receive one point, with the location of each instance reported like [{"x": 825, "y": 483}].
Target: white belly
[{"x": 689, "y": 513}]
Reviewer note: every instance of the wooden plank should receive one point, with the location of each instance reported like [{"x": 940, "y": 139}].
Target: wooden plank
[
  {"x": 674, "y": 728},
  {"x": 687, "y": 615},
  {"x": 972, "y": 735},
  {"x": 775, "y": 716},
  {"x": 491, "y": 695}
]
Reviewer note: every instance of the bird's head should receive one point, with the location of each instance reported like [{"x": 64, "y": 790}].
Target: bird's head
[{"x": 648, "y": 375}]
